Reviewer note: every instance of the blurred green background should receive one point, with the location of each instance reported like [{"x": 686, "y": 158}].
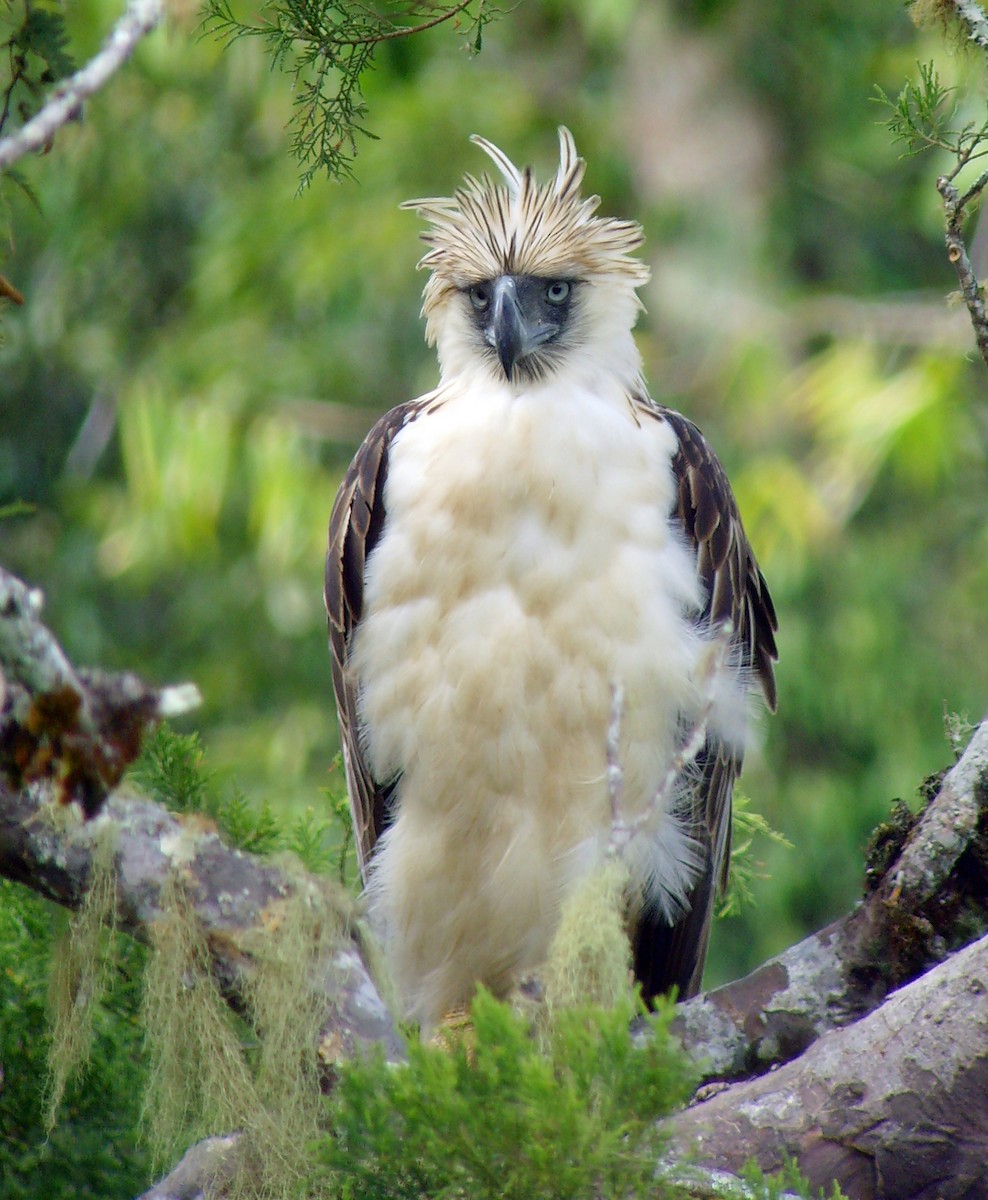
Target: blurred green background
[{"x": 202, "y": 350}]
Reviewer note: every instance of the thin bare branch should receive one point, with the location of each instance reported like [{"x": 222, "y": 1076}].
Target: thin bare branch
[
  {"x": 401, "y": 31},
  {"x": 138, "y": 20},
  {"x": 971, "y": 289},
  {"x": 710, "y": 671}
]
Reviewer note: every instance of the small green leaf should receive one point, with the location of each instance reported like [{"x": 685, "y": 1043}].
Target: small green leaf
[{"x": 43, "y": 33}]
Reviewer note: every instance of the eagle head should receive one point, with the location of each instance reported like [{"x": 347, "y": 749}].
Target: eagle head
[{"x": 525, "y": 281}]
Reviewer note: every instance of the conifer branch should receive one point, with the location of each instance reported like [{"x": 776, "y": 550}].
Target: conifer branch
[
  {"x": 923, "y": 116},
  {"x": 956, "y": 204},
  {"x": 401, "y": 31},
  {"x": 138, "y": 20}
]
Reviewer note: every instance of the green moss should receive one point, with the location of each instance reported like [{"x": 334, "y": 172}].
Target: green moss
[
  {"x": 590, "y": 957},
  {"x": 287, "y": 1010},
  {"x": 198, "y": 1078}
]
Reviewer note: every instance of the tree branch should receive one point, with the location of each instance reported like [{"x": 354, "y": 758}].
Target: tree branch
[
  {"x": 239, "y": 900},
  {"x": 76, "y": 728},
  {"x": 894, "y": 1107},
  {"x": 139, "y": 18},
  {"x": 972, "y": 18},
  {"x": 66, "y": 735},
  {"x": 953, "y": 208},
  {"x": 933, "y": 885},
  {"x": 823, "y": 1008}
]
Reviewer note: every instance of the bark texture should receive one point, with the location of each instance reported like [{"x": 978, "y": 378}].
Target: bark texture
[
  {"x": 929, "y": 893},
  {"x": 894, "y": 1107},
  {"x": 876, "y": 1027}
]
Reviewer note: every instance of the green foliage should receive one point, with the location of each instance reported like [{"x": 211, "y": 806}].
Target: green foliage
[
  {"x": 172, "y": 770},
  {"x": 924, "y": 116},
  {"x": 494, "y": 1116},
  {"x": 327, "y": 47},
  {"x": 746, "y": 826},
  {"x": 34, "y": 56},
  {"x": 92, "y": 1153},
  {"x": 781, "y": 1184}
]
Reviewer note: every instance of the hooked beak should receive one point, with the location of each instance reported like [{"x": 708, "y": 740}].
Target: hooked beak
[{"x": 512, "y": 332}]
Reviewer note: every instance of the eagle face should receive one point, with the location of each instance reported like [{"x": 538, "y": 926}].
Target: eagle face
[
  {"x": 524, "y": 319},
  {"x": 505, "y": 553}
]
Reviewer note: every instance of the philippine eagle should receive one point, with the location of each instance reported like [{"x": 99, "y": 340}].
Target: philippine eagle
[{"x": 504, "y": 552}]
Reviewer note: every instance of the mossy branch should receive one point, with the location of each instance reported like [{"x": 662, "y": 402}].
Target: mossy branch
[
  {"x": 928, "y": 893},
  {"x": 238, "y": 914}
]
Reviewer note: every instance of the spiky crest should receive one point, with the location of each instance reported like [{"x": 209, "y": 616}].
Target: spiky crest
[{"x": 521, "y": 227}]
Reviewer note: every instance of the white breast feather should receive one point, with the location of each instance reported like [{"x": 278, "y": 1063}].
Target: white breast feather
[{"x": 526, "y": 566}]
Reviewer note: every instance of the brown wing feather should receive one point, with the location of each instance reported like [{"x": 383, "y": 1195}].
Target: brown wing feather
[
  {"x": 707, "y": 513},
  {"x": 354, "y": 528}
]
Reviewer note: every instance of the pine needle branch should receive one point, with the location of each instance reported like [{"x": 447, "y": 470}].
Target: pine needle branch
[{"x": 327, "y": 48}]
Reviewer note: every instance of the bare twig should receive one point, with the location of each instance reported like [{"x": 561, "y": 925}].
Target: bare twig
[
  {"x": 138, "y": 20},
  {"x": 9, "y": 292},
  {"x": 972, "y": 18},
  {"x": 711, "y": 667},
  {"x": 954, "y": 212}
]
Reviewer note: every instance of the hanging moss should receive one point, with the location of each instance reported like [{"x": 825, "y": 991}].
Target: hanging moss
[
  {"x": 198, "y": 1078},
  {"x": 287, "y": 1009},
  {"x": 80, "y": 972},
  {"x": 590, "y": 957}
]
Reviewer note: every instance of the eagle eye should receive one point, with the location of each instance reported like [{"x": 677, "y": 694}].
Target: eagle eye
[
  {"x": 480, "y": 296},
  {"x": 557, "y": 292}
]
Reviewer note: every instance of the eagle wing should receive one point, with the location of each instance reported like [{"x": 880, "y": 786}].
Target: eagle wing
[
  {"x": 354, "y": 529},
  {"x": 707, "y": 514}
]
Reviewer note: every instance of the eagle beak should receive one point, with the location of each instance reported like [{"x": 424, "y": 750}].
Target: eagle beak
[{"x": 512, "y": 332}]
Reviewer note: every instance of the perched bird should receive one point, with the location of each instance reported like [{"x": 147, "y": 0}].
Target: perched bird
[{"x": 504, "y": 553}]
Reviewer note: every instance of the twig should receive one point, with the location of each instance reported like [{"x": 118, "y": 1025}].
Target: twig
[
  {"x": 9, "y": 292},
  {"x": 953, "y": 207},
  {"x": 624, "y": 831},
  {"x": 404, "y": 31},
  {"x": 139, "y": 18},
  {"x": 972, "y": 17}
]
